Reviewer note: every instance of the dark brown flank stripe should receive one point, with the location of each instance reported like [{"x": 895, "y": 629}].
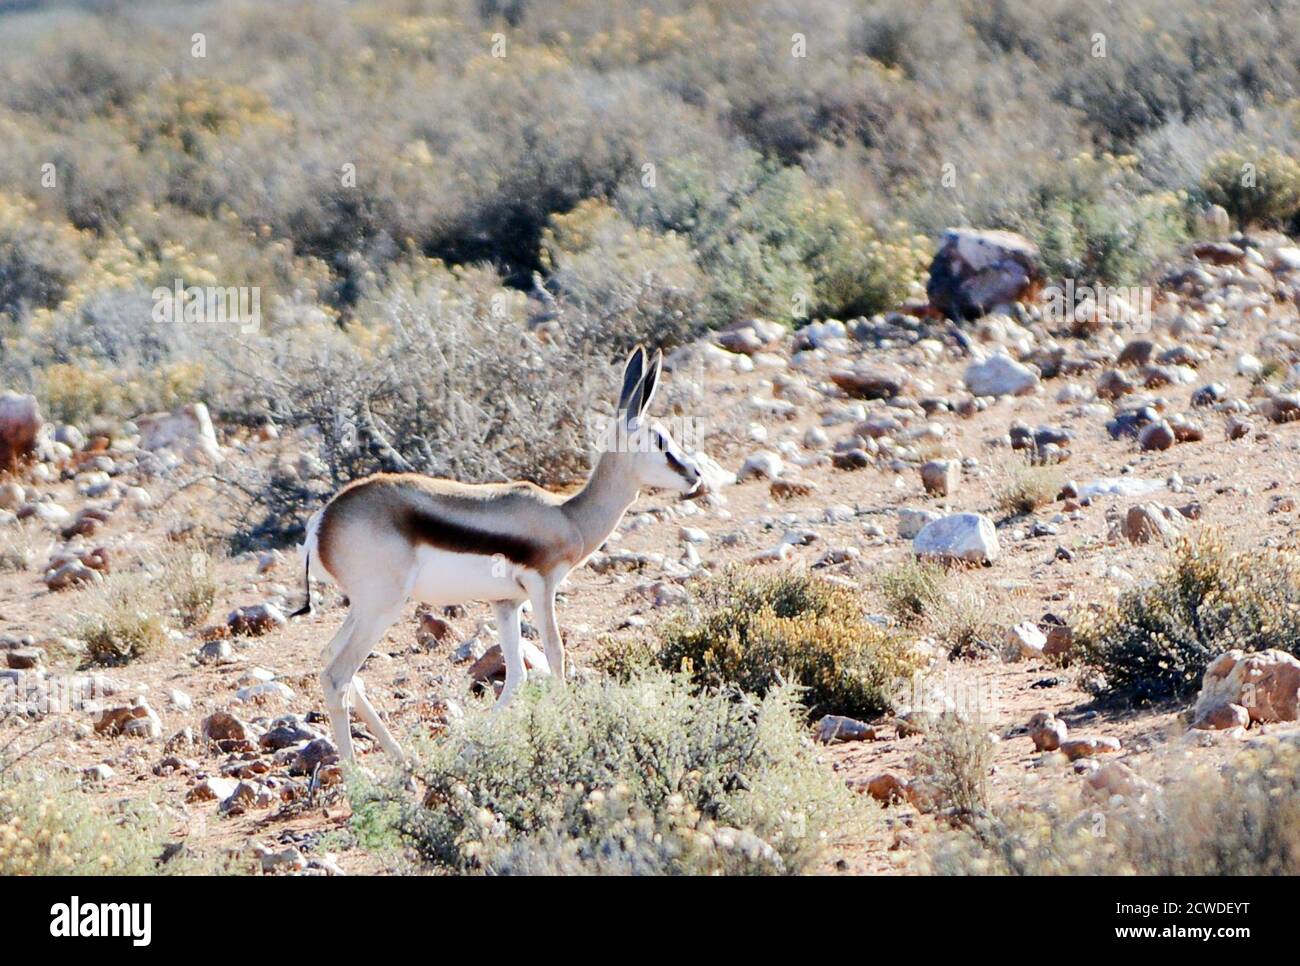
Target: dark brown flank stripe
[
  {"x": 420, "y": 526},
  {"x": 676, "y": 465}
]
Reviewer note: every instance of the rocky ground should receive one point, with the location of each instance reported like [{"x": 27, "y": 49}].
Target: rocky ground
[{"x": 853, "y": 447}]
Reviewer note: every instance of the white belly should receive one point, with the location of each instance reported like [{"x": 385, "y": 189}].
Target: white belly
[{"x": 444, "y": 578}]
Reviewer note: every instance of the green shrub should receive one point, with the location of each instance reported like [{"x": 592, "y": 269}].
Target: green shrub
[
  {"x": 1094, "y": 223},
  {"x": 1155, "y": 642},
  {"x": 776, "y": 244},
  {"x": 1242, "y": 819},
  {"x": 648, "y": 775},
  {"x": 755, "y": 631},
  {"x": 1256, "y": 188},
  {"x": 731, "y": 209}
]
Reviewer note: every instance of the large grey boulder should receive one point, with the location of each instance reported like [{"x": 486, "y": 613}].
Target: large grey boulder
[
  {"x": 975, "y": 272},
  {"x": 20, "y": 424}
]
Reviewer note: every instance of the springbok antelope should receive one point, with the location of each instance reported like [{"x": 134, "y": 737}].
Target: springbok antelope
[{"x": 389, "y": 538}]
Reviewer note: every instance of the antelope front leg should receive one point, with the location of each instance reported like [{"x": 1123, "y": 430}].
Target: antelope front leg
[
  {"x": 543, "y": 599},
  {"x": 507, "y": 616}
]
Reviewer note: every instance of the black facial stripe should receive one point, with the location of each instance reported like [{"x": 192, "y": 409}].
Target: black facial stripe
[{"x": 676, "y": 464}]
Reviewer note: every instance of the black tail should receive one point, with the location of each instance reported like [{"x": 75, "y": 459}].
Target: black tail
[{"x": 306, "y": 579}]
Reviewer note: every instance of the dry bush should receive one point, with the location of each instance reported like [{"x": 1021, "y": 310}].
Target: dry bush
[
  {"x": 188, "y": 571},
  {"x": 648, "y": 775},
  {"x": 955, "y": 762},
  {"x": 443, "y": 378},
  {"x": 925, "y": 596},
  {"x": 1242, "y": 819},
  {"x": 967, "y": 625},
  {"x": 754, "y": 631},
  {"x": 49, "y": 827},
  {"x": 1156, "y": 640}
]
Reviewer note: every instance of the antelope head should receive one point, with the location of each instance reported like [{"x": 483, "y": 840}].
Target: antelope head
[{"x": 644, "y": 448}]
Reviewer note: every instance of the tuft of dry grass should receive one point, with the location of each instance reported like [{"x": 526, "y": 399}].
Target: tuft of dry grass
[
  {"x": 966, "y": 625},
  {"x": 954, "y": 764},
  {"x": 17, "y": 547},
  {"x": 1027, "y": 488},
  {"x": 913, "y": 589},
  {"x": 123, "y": 620},
  {"x": 190, "y": 572}
]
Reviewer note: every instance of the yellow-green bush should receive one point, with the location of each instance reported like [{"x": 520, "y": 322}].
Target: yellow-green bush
[
  {"x": 774, "y": 243},
  {"x": 643, "y": 286},
  {"x": 39, "y": 259},
  {"x": 50, "y": 826},
  {"x": 1256, "y": 187},
  {"x": 76, "y": 393},
  {"x": 755, "y": 630},
  {"x": 47, "y": 827}
]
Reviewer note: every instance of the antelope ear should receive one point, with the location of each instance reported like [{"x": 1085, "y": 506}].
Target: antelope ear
[
  {"x": 651, "y": 381},
  {"x": 633, "y": 370}
]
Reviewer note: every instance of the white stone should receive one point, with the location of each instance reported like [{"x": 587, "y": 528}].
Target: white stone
[
  {"x": 764, "y": 464},
  {"x": 186, "y": 431},
  {"x": 1025, "y": 640},
  {"x": 969, "y": 537},
  {"x": 1000, "y": 375}
]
